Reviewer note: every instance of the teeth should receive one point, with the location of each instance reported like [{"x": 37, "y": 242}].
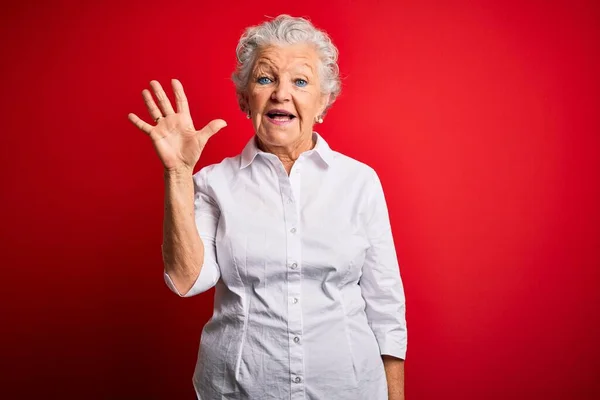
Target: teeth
[{"x": 274, "y": 115}]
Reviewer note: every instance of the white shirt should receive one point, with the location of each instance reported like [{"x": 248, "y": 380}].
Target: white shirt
[{"x": 308, "y": 293}]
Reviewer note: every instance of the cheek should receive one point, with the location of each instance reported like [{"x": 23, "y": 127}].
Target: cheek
[
  {"x": 308, "y": 103},
  {"x": 307, "y": 109},
  {"x": 257, "y": 98}
]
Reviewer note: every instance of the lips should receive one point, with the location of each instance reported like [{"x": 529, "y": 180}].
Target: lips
[
  {"x": 280, "y": 113},
  {"x": 280, "y": 117}
]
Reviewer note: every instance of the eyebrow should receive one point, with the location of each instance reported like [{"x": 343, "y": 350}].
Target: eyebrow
[
  {"x": 261, "y": 66},
  {"x": 265, "y": 63},
  {"x": 309, "y": 67}
]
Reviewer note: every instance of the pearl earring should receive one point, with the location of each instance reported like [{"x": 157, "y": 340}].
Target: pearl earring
[{"x": 319, "y": 119}]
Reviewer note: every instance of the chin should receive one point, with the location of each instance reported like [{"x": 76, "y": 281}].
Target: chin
[{"x": 279, "y": 137}]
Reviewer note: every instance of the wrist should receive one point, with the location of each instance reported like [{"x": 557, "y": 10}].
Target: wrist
[{"x": 178, "y": 172}]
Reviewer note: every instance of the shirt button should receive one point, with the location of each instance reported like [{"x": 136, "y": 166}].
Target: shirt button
[
  {"x": 295, "y": 300},
  {"x": 298, "y": 379},
  {"x": 296, "y": 339},
  {"x": 293, "y": 230},
  {"x": 294, "y": 266}
]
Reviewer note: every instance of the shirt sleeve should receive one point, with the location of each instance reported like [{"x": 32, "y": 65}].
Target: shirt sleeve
[
  {"x": 206, "y": 214},
  {"x": 380, "y": 283}
]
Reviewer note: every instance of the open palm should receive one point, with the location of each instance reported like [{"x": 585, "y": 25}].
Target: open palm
[{"x": 176, "y": 141}]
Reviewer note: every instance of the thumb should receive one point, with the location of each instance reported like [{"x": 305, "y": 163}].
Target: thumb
[{"x": 212, "y": 127}]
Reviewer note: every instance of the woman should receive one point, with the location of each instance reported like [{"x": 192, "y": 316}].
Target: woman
[{"x": 295, "y": 237}]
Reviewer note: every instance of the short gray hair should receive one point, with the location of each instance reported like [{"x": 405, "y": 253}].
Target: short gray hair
[{"x": 287, "y": 30}]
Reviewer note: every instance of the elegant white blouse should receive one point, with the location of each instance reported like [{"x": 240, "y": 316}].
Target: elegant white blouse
[{"x": 308, "y": 293}]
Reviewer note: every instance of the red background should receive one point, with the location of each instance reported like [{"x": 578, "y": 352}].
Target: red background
[{"x": 481, "y": 118}]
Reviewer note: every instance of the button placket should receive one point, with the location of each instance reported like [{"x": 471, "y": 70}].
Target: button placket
[{"x": 290, "y": 198}]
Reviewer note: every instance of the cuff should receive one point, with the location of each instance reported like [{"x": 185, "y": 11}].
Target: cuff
[
  {"x": 395, "y": 347},
  {"x": 203, "y": 283}
]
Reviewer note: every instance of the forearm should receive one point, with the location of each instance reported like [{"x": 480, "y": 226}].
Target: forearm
[
  {"x": 182, "y": 249},
  {"x": 394, "y": 372}
]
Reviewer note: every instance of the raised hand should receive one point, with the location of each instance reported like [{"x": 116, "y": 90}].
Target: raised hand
[{"x": 176, "y": 141}]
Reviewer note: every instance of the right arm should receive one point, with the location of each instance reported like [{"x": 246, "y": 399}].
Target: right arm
[
  {"x": 182, "y": 248},
  {"x": 191, "y": 216}
]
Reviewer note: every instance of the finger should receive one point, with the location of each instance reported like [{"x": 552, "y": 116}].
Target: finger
[
  {"x": 163, "y": 101},
  {"x": 151, "y": 105},
  {"x": 139, "y": 123},
  {"x": 180, "y": 98},
  {"x": 145, "y": 127},
  {"x": 212, "y": 127}
]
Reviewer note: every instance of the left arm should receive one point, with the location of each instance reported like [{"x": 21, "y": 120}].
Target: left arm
[
  {"x": 383, "y": 291},
  {"x": 394, "y": 372}
]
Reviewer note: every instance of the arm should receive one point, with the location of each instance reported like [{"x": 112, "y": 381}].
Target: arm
[
  {"x": 182, "y": 248},
  {"x": 189, "y": 227},
  {"x": 188, "y": 264},
  {"x": 383, "y": 291},
  {"x": 394, "y": 373}
]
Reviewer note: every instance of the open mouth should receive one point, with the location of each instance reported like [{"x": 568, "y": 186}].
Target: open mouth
[{"x": 280, "y": 116}]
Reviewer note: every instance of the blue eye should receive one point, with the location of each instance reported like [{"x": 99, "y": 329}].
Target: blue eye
[
  {"x": 301, "y": 82},
  {"x": 263, "y": 80}
]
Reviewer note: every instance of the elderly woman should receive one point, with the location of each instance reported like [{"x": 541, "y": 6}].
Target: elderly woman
[{"x": 294, "y": 236}]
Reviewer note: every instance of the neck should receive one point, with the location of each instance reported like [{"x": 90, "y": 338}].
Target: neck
[{"x": 288, "y": 154}]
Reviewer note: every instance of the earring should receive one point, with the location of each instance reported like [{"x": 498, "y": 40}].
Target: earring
[
  {"x": 319, "y": 119},
  {"x": 248, "y": 115}
]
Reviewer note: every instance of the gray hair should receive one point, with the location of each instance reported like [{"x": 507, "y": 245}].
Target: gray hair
[{"x": 287, "y": 30}]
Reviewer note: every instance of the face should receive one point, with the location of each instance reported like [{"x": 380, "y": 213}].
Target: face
[{"x": 284, "y": 94}]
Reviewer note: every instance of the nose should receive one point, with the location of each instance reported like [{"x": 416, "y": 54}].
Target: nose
[{"x": 282, "y": 91}]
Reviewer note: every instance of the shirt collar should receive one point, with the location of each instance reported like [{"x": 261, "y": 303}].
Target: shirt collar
[{"x": 321, "y": 148}]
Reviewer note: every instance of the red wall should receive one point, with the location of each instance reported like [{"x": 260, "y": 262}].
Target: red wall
[{"x": 480, "y": 117}]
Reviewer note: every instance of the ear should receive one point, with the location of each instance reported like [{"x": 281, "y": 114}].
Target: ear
[
  {"x": 243, "y": 101},
  {"x": 324, "y": 102}
]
